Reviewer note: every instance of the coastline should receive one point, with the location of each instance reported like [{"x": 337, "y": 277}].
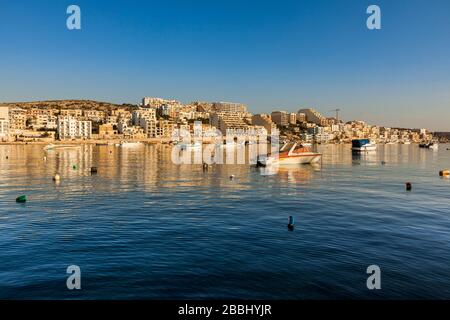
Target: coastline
[{"x": 87, "y": 142}]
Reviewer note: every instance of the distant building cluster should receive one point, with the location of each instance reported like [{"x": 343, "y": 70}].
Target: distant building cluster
[
  {"x": 158, "y": 118},
  {"x": 311, "y": 126}
]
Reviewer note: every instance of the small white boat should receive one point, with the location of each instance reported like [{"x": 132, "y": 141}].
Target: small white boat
[
  {"x": 126, "y": 144},
  {"x": 407, "y": 142},
  {"x": 362, "y": 145},
  {"x": 290, "y": 154},
  {"x": 52, "y": 146},
  {"x": 431, "y": 145},
  {"x": 192, "y": 146}
]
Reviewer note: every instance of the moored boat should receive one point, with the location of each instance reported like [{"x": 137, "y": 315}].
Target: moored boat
[
  {"x": 126, "y": 144},
  {"x": 52, "y": 146},
  {"x": 191, "y": 146},
  {"x": 290, "y": 154},
  {"x": 361, "y": 145},
  {"x": 430, "y": 145}
]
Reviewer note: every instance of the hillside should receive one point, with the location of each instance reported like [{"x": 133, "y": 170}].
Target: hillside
[{"x": 66, "y": 104}]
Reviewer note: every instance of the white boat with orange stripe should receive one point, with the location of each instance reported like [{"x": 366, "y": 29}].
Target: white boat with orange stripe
[{"x": 290, "y": 154}]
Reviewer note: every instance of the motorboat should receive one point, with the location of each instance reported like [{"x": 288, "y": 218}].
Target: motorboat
[
  {"x": 430, "y": 145},
  {"x": 290, "y": 153},
  {"x": 362, "y": 145}
]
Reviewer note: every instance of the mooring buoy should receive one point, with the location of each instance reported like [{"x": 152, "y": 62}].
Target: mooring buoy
[
  {"x": 21, "y": 199},
  {"x": 291, "y": 223},
  {"x": 444, "y": 173},
  {"x": 408, "y": 186}
]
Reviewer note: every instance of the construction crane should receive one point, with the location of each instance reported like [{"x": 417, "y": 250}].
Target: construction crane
[{"x": 337, "y": 114}]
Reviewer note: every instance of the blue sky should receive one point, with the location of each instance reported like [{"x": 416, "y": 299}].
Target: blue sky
[{"x": 268, "y": 54}]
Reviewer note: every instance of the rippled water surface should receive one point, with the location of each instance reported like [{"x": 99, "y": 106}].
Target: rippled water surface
[{"x": 146, "y": 228}]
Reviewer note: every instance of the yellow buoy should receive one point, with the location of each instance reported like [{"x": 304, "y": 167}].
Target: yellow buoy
[{"x": 57, "y": 177}]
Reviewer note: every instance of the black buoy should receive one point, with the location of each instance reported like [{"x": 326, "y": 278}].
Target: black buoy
[
  {"x": 291, "y": 223},
  {"x": 383, "y": 162},
  {"x": 7, "y": 157},
  {"x": 408, "y": 186},
  {"x": 93, "y": 169}
]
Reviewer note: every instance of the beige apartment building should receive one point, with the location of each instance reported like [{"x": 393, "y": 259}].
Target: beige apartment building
[
  {"x": 264, "y": 120},
  {"x": 281, "y": 118},
  {"x": 75, "y": 113},
  {"x": 227, "y": 120},
  {"x": 43, "y": 121},
  {"x": 94, "y": 115},
  {"x": 293, "y": 118},
  {"x": 313, "y": 116},
  {"x": 17, "y": 120},
  {"x": 229, "y": 107}
]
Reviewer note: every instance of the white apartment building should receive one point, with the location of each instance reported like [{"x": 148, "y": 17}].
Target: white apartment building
[
  {"x": 143, "y": 113},
  {"x": 146, "y": 119},
  {"x": 70, "y": 128},
  {"x": 4, "y": 129},
  {"x": 4, "y": 123},
  {"x": 157, "y": 102}
]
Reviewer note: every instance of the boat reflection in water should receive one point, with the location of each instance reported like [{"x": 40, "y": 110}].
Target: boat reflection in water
[{"x": 291, "y": 173}]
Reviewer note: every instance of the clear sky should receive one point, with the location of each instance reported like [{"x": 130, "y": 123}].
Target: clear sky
[{"x": 267, "y": 54}]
